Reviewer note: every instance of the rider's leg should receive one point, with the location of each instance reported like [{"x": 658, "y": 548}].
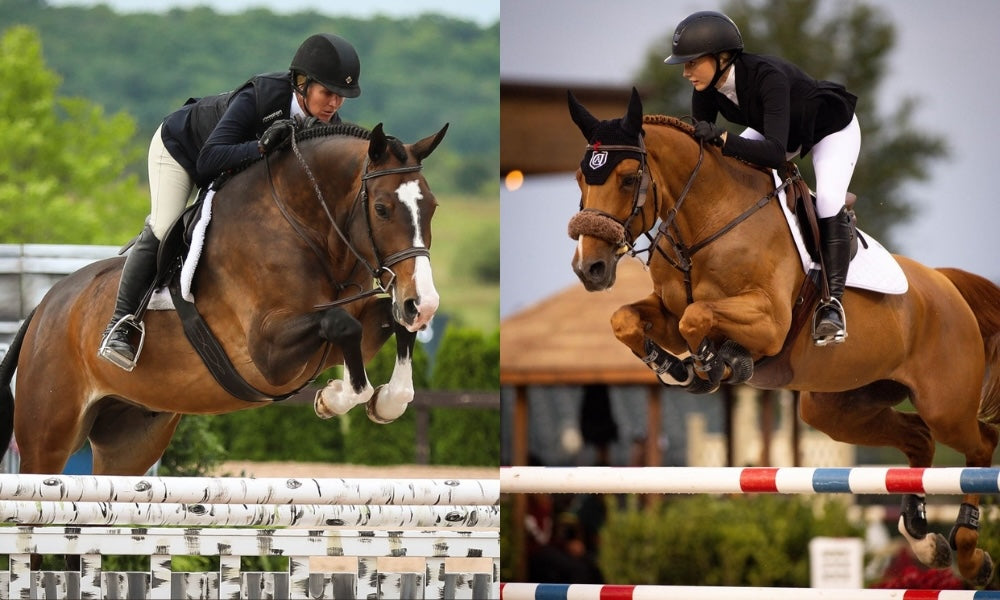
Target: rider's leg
[
  {"x": 137, "y": 276},
  {"x": 835, "y": 235},
  {"x": 170, "y": 186},
  {"x": 834, "y": 158}
]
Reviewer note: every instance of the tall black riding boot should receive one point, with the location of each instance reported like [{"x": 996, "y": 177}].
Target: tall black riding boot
[
  {"x": 830, "y": 324},
  {"x": 137, "y": 277}
]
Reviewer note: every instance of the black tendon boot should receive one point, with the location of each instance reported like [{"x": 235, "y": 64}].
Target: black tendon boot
[
  {"x": 830, "y": 324},
  {"x": 137, "y": 276}
]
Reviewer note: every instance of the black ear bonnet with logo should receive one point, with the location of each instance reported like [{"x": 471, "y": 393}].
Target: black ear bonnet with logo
[{"x": 597, "y": 164}]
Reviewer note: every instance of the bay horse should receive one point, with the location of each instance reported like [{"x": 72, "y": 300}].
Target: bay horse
[
  {"x": 726, "y": 277},
  {"x": 296, "y": 245}
]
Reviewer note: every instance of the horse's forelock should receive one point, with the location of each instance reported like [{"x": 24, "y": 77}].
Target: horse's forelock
[{"x": 397, "y": 148}]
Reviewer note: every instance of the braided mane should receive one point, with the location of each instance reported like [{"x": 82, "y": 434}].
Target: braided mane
[
  {"x": 670, "y": 122},
  {"x": 320, "y": 130},
  {"x": 349, "y": 129},
  {"x": 687, "y": 128},
  {"x": 316, "y": 131}
]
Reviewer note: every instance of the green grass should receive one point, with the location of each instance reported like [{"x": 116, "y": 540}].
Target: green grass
[{"x": 459, "y": 224}]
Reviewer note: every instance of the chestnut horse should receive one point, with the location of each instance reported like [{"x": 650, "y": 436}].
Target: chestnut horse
[
  {"x": 726, "y": 277},
  {"x": 297, "y": 243}
]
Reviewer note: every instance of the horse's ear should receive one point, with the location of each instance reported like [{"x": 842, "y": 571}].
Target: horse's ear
[
  {"x": 378, "y": 144},
  {"x": 632, "y": 122},
  {"x": 581, "y": 116},
  {"x": 424, "y": 147}
]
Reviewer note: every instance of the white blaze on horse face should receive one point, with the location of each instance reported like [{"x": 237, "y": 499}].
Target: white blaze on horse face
[{"x": 409, "y": 195}]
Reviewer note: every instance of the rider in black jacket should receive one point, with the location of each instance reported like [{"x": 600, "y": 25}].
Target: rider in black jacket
[
  {"x": 787, "y": 114},
  {"x": 210, "y": 135}
]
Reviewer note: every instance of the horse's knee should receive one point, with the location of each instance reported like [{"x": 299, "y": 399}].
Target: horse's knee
[
  {"x": 338, "y": 326},
  {"x": 627, "y": 326},
  {"x": 696, "y": 323}
]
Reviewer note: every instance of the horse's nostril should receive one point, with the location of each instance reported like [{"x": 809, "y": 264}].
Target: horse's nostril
[
  {"x": 596, "y": 270},
  {"x": 410, "y": 309}
]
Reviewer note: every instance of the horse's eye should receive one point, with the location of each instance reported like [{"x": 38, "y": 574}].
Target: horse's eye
[
  {"x": 382, "y": 211},
  {"x": 628, "y": 180}
]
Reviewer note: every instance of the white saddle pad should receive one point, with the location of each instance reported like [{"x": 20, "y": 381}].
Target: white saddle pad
[
  {"x": 161, "y": 299},
  {"x": 872, "y": 268}
]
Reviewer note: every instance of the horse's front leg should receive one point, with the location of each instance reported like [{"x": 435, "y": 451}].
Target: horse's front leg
[
  {"x": 746, "y": 325},
  {"x": 338, "y": 327},
  {"x": 650, "y": 332},
  {"x": 391, "y": 399}
]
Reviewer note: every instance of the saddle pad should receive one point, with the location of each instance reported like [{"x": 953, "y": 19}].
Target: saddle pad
[
  {"x": 160, "y": 299},
  {"x": 872, "y": 268}
]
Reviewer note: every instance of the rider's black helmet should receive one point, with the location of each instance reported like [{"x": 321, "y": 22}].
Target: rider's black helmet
[
  {"x": 705, "y": 32},
  {"x": 332, "y": 61}
]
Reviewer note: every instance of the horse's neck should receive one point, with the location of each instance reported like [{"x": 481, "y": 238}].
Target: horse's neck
[{"x": 721, "y": 188}]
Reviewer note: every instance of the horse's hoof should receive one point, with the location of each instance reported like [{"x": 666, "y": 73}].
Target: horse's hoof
[
  {"x": 941, "y": 556},
  {"x": 986, "y": 571},
  {"x": 371, "y": 408},
  {"x": 333, "y": 400},
  {"x": 739, "y": 361},
  {"x": 701, "y": 386},
  {"x": 932, "y": 549}
]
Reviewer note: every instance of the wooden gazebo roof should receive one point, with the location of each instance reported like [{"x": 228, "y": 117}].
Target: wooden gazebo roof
[{"x": 566, "y": 339}]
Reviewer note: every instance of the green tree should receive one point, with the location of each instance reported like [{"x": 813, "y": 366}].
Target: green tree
[
  {"x": 62, "y": 168},
  {"x": 848, "y": 46},
  {"x": 418, "y": 73}
]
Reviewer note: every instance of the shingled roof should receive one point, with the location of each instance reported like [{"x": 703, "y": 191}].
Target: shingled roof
[{"x": 566, "y": 339}]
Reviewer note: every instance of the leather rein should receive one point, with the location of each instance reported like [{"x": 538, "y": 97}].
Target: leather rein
[{"x": 383, "y": 264}]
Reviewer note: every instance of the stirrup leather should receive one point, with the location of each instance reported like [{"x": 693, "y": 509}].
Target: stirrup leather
[
  {"x": 836, "y": 338},
  {"x": 132, "y": 327}
]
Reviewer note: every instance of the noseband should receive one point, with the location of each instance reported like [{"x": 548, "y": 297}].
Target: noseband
[{"x": 382, "y": 268}]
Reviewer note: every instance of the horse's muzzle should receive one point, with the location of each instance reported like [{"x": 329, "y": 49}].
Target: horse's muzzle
[
  {"x": 595, "y": 272},
  {"x": 415, "y": 313}
]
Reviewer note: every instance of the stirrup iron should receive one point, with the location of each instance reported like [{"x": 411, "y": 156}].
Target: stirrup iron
[
  {"x": 836, "y": 338},
  {"x": 111, "y": 355}
]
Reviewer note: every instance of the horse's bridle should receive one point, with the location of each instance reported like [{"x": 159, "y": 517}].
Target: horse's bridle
[
  {"x": 639, "y": 198},
  {"x": 383, "y": 264},
  {"x": 668, "y": 231}
]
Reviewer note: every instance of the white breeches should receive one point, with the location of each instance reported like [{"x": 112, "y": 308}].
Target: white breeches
[
  {"x": 170, "y": 187},
  {"x": 834, "y": 158}
]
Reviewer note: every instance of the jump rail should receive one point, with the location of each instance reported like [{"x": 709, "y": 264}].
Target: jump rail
[
  {"x": 430, "y": 538},
  {"x": 265, "y": 490},
  {"x": 536, "y": 591},
  {"x": 243, "y": 515},
  {"x": 739, "y": 480}
]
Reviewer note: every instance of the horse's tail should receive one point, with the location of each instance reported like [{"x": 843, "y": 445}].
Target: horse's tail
[
  {"x": 983, "y": 296},
  {"x": 7, "y": 368}
]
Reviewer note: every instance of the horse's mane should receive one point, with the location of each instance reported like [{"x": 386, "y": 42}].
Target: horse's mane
[
  {"x": 670, "y": 122},
  {"x": 687, "y": 128},
  {"x": 318, "y": 130}
]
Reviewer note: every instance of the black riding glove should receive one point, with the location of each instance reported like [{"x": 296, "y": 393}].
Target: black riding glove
[
  {"x": 275, "y": 135},
  {"x": 708, "y": 132}
]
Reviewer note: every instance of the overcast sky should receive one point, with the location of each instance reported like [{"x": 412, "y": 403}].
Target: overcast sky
[{"x": 942, "y": 56}]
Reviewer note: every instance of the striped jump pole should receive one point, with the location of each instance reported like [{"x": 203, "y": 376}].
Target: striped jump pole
[
  {"x": 226, "y": 490},
  {"x": 541, "y": 591},
  {"x": 742, "y": 480},
  {"x": 24, "y": 512}
]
